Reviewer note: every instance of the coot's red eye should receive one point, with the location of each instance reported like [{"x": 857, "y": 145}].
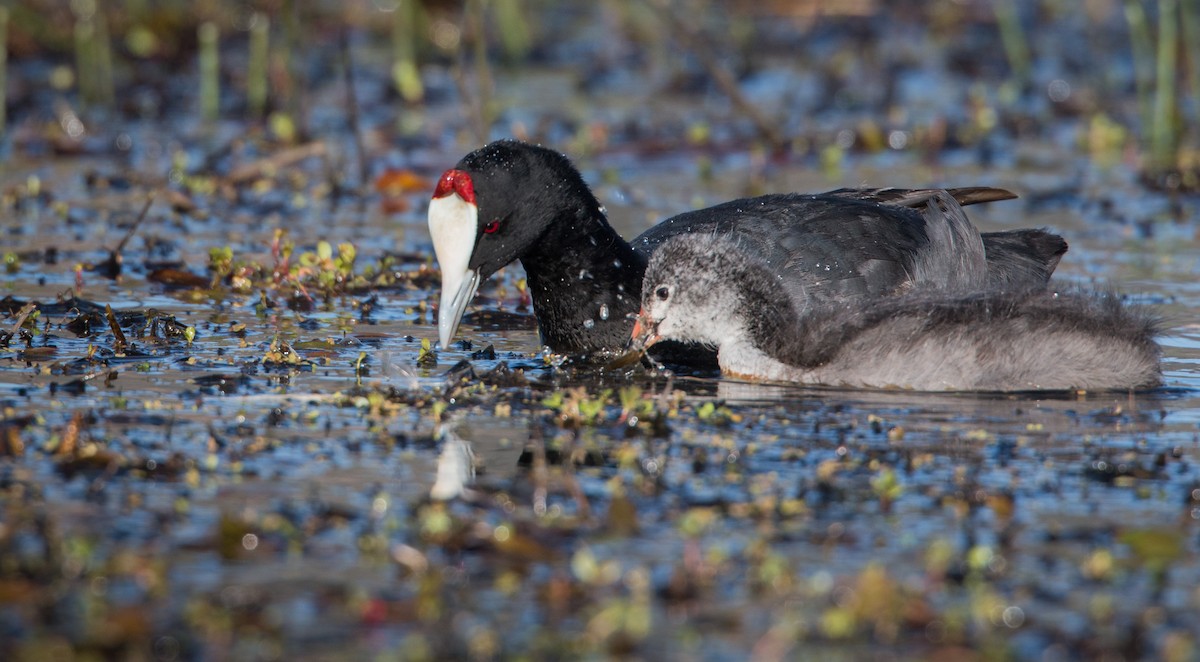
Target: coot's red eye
[{"x": 491, "y": 227}]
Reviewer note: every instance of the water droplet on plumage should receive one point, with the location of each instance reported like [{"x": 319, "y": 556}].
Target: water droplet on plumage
[
  {"x": 589, "y": 323},
  {"x": 603, "y": 311}
]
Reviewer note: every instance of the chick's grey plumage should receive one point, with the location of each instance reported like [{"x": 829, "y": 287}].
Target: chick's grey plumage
[{"x": 711, "y": 289}]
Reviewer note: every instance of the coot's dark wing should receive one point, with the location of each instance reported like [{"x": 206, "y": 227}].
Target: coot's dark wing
[
  {"x": 833, "y": 247},
  {"x": 1018, "y": 259},
  {"x": 909, "y": 197}
]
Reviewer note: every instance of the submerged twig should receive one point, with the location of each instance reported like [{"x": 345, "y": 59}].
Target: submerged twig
[
  {"x": 137, "y": 223},
  {"x": 20, "y": 318},
  {"x": 120, "y": 342},
  {"x": 271, "y": 164},
  {"x": 111, "y": 268}
]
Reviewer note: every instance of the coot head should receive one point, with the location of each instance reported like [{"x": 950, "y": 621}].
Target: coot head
[{"x": 491, "y": 209}]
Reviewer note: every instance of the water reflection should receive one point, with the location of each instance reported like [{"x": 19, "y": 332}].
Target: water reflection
[
  {"x": 455, "y": 467},
  {"x": 484, "y": 444},
  {"x": 1170, "y": 413}
]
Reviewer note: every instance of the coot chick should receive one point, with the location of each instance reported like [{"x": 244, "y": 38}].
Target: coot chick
[
  {"x": 710, "y": 289},
  {"x": 512, "y": 201}
]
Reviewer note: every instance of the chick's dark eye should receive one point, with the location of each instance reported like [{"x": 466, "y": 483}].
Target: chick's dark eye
[
  {"x": 491, "y": 227},
  {"x": 662, "y": 293}
]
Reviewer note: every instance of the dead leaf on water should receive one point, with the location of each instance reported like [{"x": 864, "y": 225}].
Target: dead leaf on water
[{"x": 177, "y": 278}]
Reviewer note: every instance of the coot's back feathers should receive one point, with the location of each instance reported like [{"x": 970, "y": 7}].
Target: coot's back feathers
[{"x": 1015, "y": 258}]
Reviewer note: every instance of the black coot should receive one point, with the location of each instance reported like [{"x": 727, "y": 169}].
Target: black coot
[
  {"x": 513, "y": 201},
  {"x": 717, "y": 291}
]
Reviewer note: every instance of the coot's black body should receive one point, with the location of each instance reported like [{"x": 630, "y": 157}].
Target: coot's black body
[{"x": 513, "y": 201}]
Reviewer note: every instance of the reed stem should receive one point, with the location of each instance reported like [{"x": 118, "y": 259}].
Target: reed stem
[
  {"x": 1140, "y": 44},
  {"x": 352, "y": 105},
  {"x": 256, "y": 66},
  {"x": 1190, "y": 11},
  {"x": 297, "y": 107},
  {"x": 1162, "y": 131},
  {"x": 85, "y": 79},
  {"x": 3, "y": 69},
  {"x": 1012, "y": 35},
  {"x": 210, "y": 91},
  {"x": 514, "y": 30},
  {"x": 106, "y": 89},
  {"x": 405, "y": 73},
  {"x": 475, "y": 34}
]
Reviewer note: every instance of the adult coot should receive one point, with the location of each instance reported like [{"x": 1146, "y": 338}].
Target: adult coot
[
  {"x": 512, "y": 201},
  {"x": 714, "y": 290}
]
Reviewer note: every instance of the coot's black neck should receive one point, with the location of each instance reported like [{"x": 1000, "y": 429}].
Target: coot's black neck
[{"x": 585, "y": 281}]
